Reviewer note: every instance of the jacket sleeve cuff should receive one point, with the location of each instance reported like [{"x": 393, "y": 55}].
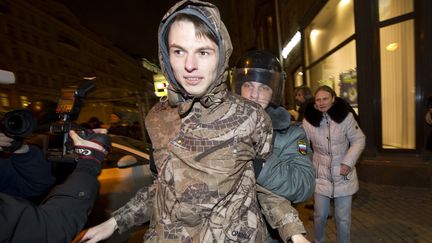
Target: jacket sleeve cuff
[{"x": 288, "y": 230}]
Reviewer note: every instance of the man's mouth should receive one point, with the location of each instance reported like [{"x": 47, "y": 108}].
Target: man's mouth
[{"x": 192, "y": 80}]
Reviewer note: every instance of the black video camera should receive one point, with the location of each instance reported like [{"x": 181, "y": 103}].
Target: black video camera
[
  {"x": 17, "y": 124},
  {"x": 68, "y": 109}
]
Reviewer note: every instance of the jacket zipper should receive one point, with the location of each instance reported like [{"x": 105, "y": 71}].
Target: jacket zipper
[
  {"x": 330, "y": 152},
  {"x": 214, "y": 148}
]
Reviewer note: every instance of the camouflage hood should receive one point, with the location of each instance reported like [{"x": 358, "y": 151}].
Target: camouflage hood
[{"x": 209, "y": 14}]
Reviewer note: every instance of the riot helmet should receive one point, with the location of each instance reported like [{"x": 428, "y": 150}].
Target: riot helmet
[{"x": 262, "y": 67}]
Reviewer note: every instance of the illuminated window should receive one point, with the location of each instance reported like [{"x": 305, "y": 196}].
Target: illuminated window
[
  {"x": 333, "y": 24},
  {"x": 397, "y": 77},
  {"x": 327, "y": 61}
]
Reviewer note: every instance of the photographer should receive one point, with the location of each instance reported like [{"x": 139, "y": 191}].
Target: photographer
[
  {"x": 63, "y": 213},
  {"x": 24, "y": 172}
]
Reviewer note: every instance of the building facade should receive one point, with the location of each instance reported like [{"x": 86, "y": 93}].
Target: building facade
[
  {"x": 47, "y": 49},
  {"x": 375, "y": 55}
]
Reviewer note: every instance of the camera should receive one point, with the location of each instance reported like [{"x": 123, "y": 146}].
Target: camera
[
  {"x": 60, "y": 146},
  {"x": 17, "y": 124}
]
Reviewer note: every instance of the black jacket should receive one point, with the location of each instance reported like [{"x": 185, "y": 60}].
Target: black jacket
[
  {"x": 26, "y": 175},
  {"x": 60, "y": 217}
]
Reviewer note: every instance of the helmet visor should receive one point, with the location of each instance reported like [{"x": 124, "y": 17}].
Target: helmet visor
[{"x": 264, "y": 76}]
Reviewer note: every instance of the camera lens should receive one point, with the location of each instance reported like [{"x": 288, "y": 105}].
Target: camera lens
[{"x": 18, "y": 123}]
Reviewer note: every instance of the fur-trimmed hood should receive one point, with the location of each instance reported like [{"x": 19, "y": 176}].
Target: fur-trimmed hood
[{"x": 338, "y": 112}]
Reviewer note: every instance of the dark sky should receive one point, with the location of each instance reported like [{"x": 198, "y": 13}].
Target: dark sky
[{"x": 130, "y": 24}]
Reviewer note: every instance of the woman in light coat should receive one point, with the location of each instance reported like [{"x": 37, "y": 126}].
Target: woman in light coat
[{"x": 337, "y": 142}]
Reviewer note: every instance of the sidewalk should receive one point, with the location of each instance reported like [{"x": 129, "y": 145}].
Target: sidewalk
[{"x": 382, "y": 213}]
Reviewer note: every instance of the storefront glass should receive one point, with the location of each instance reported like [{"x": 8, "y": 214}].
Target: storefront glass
[
  {"x": 333, "y": 25},
  {"x": 339, "y": 72},
  {"x": 398, "y": 86},
  {"x": 392, "y": 8}
]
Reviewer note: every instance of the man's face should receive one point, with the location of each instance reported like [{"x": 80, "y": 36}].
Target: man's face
[
  {"x": 193, "y": 59},
  {"x": 257, "y": 92},
  {"x": 323, "y": 101},
  {"x": 299, "y": 98}
]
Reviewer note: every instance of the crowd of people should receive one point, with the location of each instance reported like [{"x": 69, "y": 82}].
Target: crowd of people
[{"x": 232, "y": 167}]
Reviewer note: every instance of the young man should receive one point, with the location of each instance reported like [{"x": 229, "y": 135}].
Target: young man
[
  {"x": 289, "y": 171},
  {"x": 204, "y": 140}
]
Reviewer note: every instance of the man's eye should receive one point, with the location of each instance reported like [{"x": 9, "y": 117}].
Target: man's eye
[
  {"x": 264, "y": 88},
  {"x": 177, "y": 52},
  {"x": 204, "y": 53}
]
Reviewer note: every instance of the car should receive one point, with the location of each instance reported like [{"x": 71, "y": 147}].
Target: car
[{"x": 124, "y": 171}]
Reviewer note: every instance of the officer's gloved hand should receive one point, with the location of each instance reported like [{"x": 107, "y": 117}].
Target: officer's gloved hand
[{"x": 94, "y": 146}]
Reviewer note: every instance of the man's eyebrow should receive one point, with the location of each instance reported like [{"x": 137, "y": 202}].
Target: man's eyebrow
[
  {"x": 203, "y": 48},
  {"x": 176, "y": 46}
]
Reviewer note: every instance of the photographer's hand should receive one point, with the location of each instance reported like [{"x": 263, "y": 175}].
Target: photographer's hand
[
  {"x": 94, "y": 147},
  {"x": 6, "y": 141}
]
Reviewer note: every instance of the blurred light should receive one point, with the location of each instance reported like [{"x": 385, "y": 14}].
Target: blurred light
[
  {"x": 90, "y": 78},
  {"x": 392, "y": 46},
  {"x": 300, "y": 73},
  {"x": 344, "y": 2},
  {"x": 291, "y": 44},
  {"x": 314, "y": 33},
  {"x": 160, "y": 85}
]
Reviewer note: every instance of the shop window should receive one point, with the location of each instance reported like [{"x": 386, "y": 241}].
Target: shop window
[
  {"x": 392, "y": 8},
  {"x": 298, "y": 77},
  {"x": 398, "y": 86},
  {"x": 333, "y": 25},
  {"x": 337, "y": 71}
]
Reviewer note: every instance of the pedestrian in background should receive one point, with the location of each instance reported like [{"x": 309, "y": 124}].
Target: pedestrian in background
[
  {"x": 302, "y": 96},
  {"x": 337, "y": 142},
  {"x": 289, "y": 171},
  {"x": 118, "y": 126}
]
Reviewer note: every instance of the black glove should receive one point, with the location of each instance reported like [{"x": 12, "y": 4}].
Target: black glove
[{"x": 87, "y": 151}]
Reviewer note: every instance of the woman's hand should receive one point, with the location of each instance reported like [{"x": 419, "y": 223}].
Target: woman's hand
[{"x": 344, "y": 169}]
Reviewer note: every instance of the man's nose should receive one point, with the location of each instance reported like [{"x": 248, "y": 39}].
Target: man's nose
[
  {"x": 254, "y": 92},
  {"x": 190, "y": 63}
]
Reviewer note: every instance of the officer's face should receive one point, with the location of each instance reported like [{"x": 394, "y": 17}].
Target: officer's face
[
  {"x": 193, "y": 58},
  {"x": 257, "y": 92}
]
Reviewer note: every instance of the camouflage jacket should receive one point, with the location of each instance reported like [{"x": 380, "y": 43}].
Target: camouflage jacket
[{"x": 206, "y": 188}]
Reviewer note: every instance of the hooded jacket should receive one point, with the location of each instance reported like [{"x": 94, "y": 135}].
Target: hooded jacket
[
  {"x": 336, "y": 139},
  {"x": 203, "y": 150}
]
